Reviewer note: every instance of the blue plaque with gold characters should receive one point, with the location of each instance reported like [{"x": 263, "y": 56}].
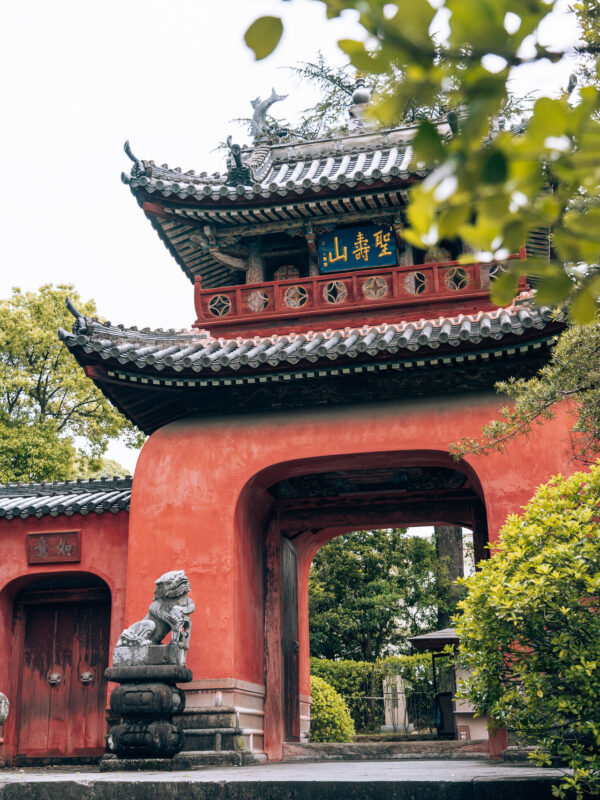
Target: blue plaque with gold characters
[{"x": 365, "y": 246}]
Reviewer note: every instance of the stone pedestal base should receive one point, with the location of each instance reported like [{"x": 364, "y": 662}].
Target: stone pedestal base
[{"x": 145, "y": 703}]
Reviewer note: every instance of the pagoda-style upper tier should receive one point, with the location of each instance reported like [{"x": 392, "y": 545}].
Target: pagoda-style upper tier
[{"x": 302, "y": 236}]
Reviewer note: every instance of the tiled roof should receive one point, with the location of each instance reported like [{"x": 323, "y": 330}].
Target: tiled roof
[
  {"x": 158, "y": 377},
  {"x": 278, "y": 170},
  {"x": 284, "y": 188},
  {"x": 25, "y": 500},
  {"x": 156, "y": 352}
]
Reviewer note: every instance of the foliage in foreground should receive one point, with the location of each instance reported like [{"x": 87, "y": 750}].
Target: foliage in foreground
[
  {"x": 330, "y": 720},
  {"x": 572, "y": 375},
  {"x": 370, "y": 590},
  {"x": 530, "y": 628},
  {"x": 48, "y": 407},
  {"x": 488, "y": 189}
]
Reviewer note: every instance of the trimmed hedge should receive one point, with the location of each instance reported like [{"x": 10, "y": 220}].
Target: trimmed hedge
[
  {"x": 330, "y": 720},
  {"x": 358, "y": 680}
]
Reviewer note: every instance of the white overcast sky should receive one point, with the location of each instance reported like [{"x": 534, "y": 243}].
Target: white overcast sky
[{"x": 79, "y": 78}]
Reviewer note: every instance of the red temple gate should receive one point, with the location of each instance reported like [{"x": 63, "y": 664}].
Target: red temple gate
[{"x": 304, "y": 402}]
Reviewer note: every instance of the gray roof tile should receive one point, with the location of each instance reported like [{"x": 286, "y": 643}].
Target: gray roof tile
[
  {"x": 281, "y": 169},
  {"x": 195, "y": 352},
  {"x": 23, "y": 500}
]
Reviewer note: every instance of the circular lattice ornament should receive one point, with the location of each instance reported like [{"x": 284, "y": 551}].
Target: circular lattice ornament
[
  {"x": 295, "y": 296},
  {"x": 456, "y": 279},
  {"x": 335, "y": 292},
  {"x": 257, "y": 300},
  {"x": 415, "y": 283},
  {"x": 375, "y": 287},
  {"x": 219, "y": 305}
]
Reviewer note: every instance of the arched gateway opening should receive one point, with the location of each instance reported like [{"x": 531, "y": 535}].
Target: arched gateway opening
[
  {"x": 59, "y": 651},
  {"x": 311, "y": 502}
]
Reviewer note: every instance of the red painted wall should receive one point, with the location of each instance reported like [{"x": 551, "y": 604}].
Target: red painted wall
[
  {"x": 199, "y": 502},
  {"x": 103, "y": 553}
]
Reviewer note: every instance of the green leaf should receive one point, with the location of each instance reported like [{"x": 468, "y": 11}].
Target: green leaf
[
  {"x": 504, "y": 288},
  {"x": 361, "y": 58},
  {"x": 584, "y": 306},
  {"x": 428, "y": 143},
  {"x": 551, "y": 115},
  {"x": 553, "y": 288},
  {"x": 451, "y": 219},
  {"x": 411, "y": 24},
  {"x": 495, "y": 167},
  {"x": 514, "y": 235},
  {"x": 263, "y": 36}
]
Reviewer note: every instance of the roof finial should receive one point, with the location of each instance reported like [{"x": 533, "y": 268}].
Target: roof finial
[
  {"x": 258, "y": 123},
  {"x": 361, "y": 94},
  {"x": 361, "y": 97}
]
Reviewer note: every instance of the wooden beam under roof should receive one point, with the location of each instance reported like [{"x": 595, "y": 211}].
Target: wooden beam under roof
[{"x": 276, "y": 226}]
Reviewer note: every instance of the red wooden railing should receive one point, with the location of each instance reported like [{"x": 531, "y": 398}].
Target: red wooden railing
[{"x": 250, "y": 307}]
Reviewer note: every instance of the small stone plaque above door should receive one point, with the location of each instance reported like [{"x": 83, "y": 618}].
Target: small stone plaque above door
[{"x": 53, "y": 548}]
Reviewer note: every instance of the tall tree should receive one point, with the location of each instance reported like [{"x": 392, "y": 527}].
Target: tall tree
[
  {"x": 52, "y": 418},
  {"x": 370, "y": 590},
  {"x": 449, "y": 550}
]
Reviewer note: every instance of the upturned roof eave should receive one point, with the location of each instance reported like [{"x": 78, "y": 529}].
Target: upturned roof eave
[
  {"x": 168, "y": 360},
  {"x": 268, "y": 199}
]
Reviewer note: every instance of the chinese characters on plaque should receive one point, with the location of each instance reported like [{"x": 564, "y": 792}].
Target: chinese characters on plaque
[
  {"x": 357, "y": 248},
  {"x": 48, "y": 548}
]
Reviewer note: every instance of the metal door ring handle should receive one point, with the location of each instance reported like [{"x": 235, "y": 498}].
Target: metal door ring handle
[
  {"x": 54, "y": 678},
  {"x": 86, "y": 677}
]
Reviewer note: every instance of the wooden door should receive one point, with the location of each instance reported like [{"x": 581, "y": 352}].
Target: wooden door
[
  {"x": 289, "y": 641},
  {"x": 62, "y": 691}
]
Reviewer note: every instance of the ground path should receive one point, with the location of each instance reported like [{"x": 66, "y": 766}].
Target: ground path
[{"x": 362, "y": 780}]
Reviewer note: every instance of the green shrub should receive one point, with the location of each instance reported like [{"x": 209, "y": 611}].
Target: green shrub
[
  {"x": 358, "y": 680},
  {"x": 530, "y": 629},
  {"x": 330, "y": 720}
]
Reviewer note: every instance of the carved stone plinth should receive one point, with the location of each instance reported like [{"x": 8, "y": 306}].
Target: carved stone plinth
[
  {"x": 145, "y": 701},
  {"x": 144, "y": 739}
]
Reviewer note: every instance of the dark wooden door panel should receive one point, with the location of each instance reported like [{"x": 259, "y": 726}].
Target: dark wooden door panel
[
  {"x": 40, "y": 625},
  {"x": 289, "y": 641},
  {"x": 63, "y": 690}
]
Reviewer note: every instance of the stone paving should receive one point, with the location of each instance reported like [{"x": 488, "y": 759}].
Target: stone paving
[{"x": 374, "y": 780}]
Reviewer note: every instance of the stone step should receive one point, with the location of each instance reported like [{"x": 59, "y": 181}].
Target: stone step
[
  {"x": 195, "y": 759},
  {"x": 223, "y": 718},
  {"x": 378, "y": 751},
  {"x": 215, "y": 739},
  {"x": 518, "y": 755}
]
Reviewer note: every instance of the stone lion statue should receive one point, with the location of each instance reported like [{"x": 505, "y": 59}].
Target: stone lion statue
[{"x": 169, "y": 611}]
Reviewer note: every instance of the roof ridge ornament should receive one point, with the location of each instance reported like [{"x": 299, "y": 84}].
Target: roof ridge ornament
[
  {"x": 258, "y": 124},
  {"x": 138, "y": 168},
  {"x": 238, "y": 173},
  {"x": 81, "y": 323}
]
